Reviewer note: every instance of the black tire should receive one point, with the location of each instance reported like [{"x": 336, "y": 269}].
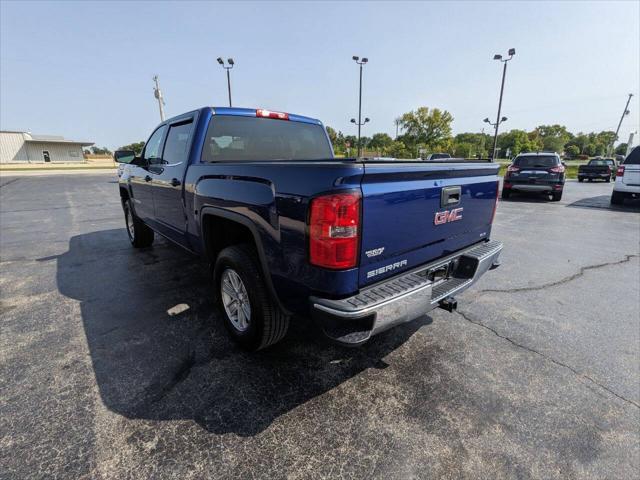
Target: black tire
[
  {"x": 506, "y": 194},
  {"x": 139, "y": 234},
  {"x": 617, "y": 198},
  {"x": 608, "y": 180},
  {"x": 267, "y": 323},
  {"x": 590, "y": 180},
  {"x": 580, "y": 179},
  {"x": 556, "y": 196}
]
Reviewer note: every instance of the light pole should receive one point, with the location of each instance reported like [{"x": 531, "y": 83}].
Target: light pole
[
  {"x": 360, "y": 122},
  {"x": 158, "y": 94},
  {"x": 512, "y": 52},
  {"x": 624, "y": 112},
  {"x": 227, "y": 68},
  {"x": 495, "y": 125}
]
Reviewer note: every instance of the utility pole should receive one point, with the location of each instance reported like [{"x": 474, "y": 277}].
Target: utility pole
[
  {"x": 158, "y": 94},
  {"x": 360, "y": 122},
  {"x": 624, "y": 112},
  {"x": 512, "y": 52},
  {"x": 397, "y": 122}
]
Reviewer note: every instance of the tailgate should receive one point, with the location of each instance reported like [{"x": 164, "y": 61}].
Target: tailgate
[
  {"x": 415, "y": 212},
  {"x": 631, "y": 175}
]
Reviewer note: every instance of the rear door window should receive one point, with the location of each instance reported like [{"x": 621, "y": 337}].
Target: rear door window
[
  {"x": 236, "y": 138},
  {"x": 176, "y": 147},
  {"x": 634, "y": 157},
  {"x": 539, "y": 161}
]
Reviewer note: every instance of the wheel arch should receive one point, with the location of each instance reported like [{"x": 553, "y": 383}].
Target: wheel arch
[{"x": 237, "y": 229}]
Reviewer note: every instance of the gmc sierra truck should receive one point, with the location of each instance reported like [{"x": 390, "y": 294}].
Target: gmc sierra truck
[{"x": 289, "y": 230}]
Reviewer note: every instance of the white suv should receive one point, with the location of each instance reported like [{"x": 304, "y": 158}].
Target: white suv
[{"x": 627, "y": 178}]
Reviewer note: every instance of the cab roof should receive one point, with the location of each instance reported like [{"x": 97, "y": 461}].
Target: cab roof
[{"x": 251, "y": 112}]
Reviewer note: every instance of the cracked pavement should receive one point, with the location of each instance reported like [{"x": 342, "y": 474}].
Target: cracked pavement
[{"x": 114, "y": 364}]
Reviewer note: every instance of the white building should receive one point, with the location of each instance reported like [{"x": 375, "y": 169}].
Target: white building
[{"x": 24, "y": 147}]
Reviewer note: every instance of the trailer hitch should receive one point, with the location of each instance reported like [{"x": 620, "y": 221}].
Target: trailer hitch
[{"x": 449, "y": 304}]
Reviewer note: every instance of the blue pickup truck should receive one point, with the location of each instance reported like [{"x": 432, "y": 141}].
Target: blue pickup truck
[{"x": 359, "y": 245}]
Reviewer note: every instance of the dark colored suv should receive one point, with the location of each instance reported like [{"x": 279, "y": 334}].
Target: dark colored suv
[{"x": 535, "y": 172}]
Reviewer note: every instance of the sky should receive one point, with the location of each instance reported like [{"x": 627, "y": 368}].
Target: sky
[{"x": 84, "y": 69}]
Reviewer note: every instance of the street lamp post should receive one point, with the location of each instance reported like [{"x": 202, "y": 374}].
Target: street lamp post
[
  {"x": 360, "y": 122},
  {"x": 495, "y": 125},
  {"x": 512, "y": 52},
  {"x": 228, "y": 67}
]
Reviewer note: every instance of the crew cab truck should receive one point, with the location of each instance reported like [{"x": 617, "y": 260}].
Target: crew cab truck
[
  {"x": 289, "y": 230},
  {"x": 597, "y": 169}
]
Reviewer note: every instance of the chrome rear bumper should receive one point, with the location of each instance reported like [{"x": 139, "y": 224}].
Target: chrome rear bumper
[{"x": 404, "y": 297}]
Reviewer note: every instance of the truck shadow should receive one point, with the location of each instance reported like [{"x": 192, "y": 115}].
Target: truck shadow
[{"x": 159, "y": 351}]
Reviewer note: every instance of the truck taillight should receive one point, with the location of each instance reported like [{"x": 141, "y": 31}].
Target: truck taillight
[
  {"x": 557, "y": 169},
  {"x": 334, "y": 222},
  {"x": 620, "y": 171},
  {"x": 269, "y": 114},
  {"x": 495, "y": 202}
]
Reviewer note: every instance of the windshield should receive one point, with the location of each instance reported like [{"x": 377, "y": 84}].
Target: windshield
[
  {"x": 541, "y": 161},
  {"x": 600, "y": 162},
  {"x": 234, "y": 138}
]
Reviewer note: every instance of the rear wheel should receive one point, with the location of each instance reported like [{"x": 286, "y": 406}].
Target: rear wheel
[
  {"x": 251, "y": 316},
  {"x": 506, "y": 194},
  {"x": 608, "y": 179},
  {"x": 580, "y": 179},
  {"x": 556, "y": 196},
  {"x": 139, "y": 234},
  {"x": 617, "y": 198}
]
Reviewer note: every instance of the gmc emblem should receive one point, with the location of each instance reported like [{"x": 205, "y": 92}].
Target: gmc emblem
[{"x": 448, "y": 216}]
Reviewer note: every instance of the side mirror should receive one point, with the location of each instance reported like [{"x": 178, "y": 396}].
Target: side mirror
[
  {"x": 564, "y": 164},
  {"x": 124, "y": 156}
]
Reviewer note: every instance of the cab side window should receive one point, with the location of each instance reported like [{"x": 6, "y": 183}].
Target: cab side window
[
  {"x": 175, "y": 149},
  {"x": 153, "y": 148}
]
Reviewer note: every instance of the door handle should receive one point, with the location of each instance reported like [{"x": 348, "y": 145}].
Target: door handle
[
  {"x": 147, "y": 178},
  {"x": 175, "y": 182}
]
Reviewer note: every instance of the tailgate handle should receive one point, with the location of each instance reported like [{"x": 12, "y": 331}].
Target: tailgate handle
[{"x": 450, "y": 196}]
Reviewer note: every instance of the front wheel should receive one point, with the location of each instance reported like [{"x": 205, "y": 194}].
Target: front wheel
[
  {"x": 617, "y": 198},
  {"x": 139, "y": 234},
  {"x": 250, "y": 315}
]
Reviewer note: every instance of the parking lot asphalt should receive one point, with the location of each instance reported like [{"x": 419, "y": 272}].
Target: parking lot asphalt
[{"x": 114, "y": 363}]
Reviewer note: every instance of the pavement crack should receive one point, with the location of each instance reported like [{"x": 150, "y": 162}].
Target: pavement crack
[
  {"x": 9, "y": 182},
  {"x": 546, "y": 357},
  {"x": 562, "y": 281}
]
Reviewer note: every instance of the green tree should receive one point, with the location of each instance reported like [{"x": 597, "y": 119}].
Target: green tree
[
  {"x": 396, "y": 149},
  {"x": 572, "y": 150},
  {"x": 136, "y": 147},
  {"x": 333, "y": 135},
  {"x": 426, "y": 126},
  {"x": 621, "y": 149},
  {"x": 554, "y": 137},
  {"x": 380, "y": 141},
  {"x": 516, "y": 141},
  {"x": 100, "y": 151}
]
